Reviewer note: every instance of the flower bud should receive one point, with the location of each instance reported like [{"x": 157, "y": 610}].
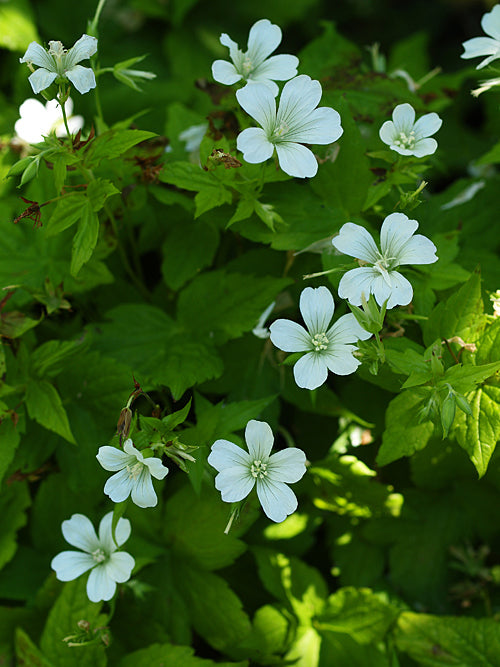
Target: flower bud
[
  {"x": 448, "y": 410},
  {"x": 124, "y": 421}
]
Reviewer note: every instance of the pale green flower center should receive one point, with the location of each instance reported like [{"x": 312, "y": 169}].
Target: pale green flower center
[
  {"x": 99, "y": 555},
  {"x": 404, "y": 140},
  {"x": 135, "y": 470},
  {"x": 279, "y": 132},
  {"x": 246, "y": 66},
  {"x": 320, "y": 342},
  {"x": 258, "y": 469},
  {"x": 384, "y": 265}
]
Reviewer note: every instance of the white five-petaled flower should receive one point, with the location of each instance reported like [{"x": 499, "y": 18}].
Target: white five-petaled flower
[
  {"x": 98, "y": 554},
  {"x": 38, "y": 120},
  {"x": 254, "y": 65},
  {"x": 327, "y": 347},
  {"x": 60, "y": 63},
  {"x": 398, "y": 245},
  {"x": 239, "y": 471},
  {"x": 407, "y": 137},
  {"x": 477, "y": 47},
  {"x": 297, "y": 121},
  {"x": 133, "y": 476}
]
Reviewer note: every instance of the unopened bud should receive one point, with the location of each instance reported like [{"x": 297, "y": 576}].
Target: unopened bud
[
  {"x": 124, "y": 421},
  {"x": 448, "y": 410}
]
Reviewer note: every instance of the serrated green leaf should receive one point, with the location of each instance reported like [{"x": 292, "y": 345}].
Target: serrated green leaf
[
  {"x": 178, "y": 267},
  {"x": 85, "y": 239},
  {"x": 161, "y": 655},
  {"x": 465, "y": 378},
  {"x": 99, "y": 191},
  {"x": 205, "y": 200},
  {"x": 9, "y": 437},
  {"x": 14, "y": 501},
  {"x": 113, "y": 143},
  {"x": 49, "y": 359},
  {"x": 403, "y": 435},
  {"x": 178, "y": 417},
  {"x": 45, "y": 407},
  {"x": 28, "y": 653}
]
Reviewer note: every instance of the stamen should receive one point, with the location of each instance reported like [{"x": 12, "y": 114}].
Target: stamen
[
  {"x": 258, "y": 469},
  {"x": 320, "y": 342},
  {"x": 135, "y": 470},
  {"x": 405, "y": 140},
  {"x": 279, "y": 132},
  {"x": 99, "y": 555}
]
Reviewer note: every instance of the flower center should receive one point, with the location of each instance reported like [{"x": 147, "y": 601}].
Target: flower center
[
  {"x": 99, "y": 555},
  {"x": 246, "y": 66},
  {"x": 135, "y": 470},
  {"x": 258, "y": 469},
  {"x": 404, "y": 140},
  {"x": 384, "y": 265},
  {"x": 320, "y": 342},
  {"x": 279, "y": 132}
]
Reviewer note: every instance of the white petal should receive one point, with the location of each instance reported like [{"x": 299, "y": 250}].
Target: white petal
[
  {"x": 490, "y": 22},
  {"x": 258, "y": 101},
  {"x": 122, "y": 532},
  {"x": 347, "y": 330},
  {"x": 387, "y": 132},
  {"x": 41, "y": 79},
  {"x": 79, "y": 532},
  {"x": 357, "y": 242},
  {"x": 120, "y": 566},
  {"x": 481, "y": 46},
  {"x": 225, "y": 454},
  {"x": 259, "y": 438},
  {"x": 75, "y": 123},
  {"x": 128, "y": 447},
  {"x": 290, "y": 336},
  {"x": 356, "y": 282},
  {"x": 418, "y": 250},
  {"x": 69, "y": 565},
  {"x": 225, "y": 72},
  {"x": 316, "y": 307},
  {"x": 277, "y": 499},
  {"x": 339, "y": 359},
  {"x": 310, "y": 371},
  {"x": 427, "y": 125},
  {"x": 37, "y": 55},
  {"x": 143, "y": 493},
  {"x": 156, "y": 467},
  {"x": 298, "y": 98},
  {"x": 277, "y": 68},
  {"x": 399, "y": 292},
  {"x": 99, "y": 585},
  {"x": 322, "y": 126},
  {"x": 263, "y": 39},
  {"x": 225, "y": 40},
  {"x": 403, "y": 117},
  {"x": 254, "y": 144},
  {"x": 289, "y": 465},
  {"x": 234, "y": 484},
  {"x": 424, "y": 147},
  {"x": 396, "y": 231},
  {"x": 296, "y": 160},
  {"x": 82, "y": 49},
  {"x": 82, "y": 78},
  {"x": 119, "y": 486},
  {"x": 113, "y": 459},
  {"x": 264, "y": 81}
]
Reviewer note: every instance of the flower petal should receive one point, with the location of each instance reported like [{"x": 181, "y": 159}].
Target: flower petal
[
  {"x": 143, "y": 493},
  {"x": 424, "y": 147},
  {"x": 339, "y": 359},
  {"x": 119, "y": 486},
  {"x": 310, "y": 371},
  {"x": 253, "y": 142},
  {"x": 298, "y": 99},
  {"x": 356, "y": 241},
  {"x": 290, "y": 336},
  {"x": 225, "y": 72},
  {"x": 113, "y": 459},
  {"x": 481, "y": 46},
  {"x": 41, "y": 79},
  {"x": 260, "y": 439},
  {"x": 397, "y": 229},
  {"x": 263, "y": 39},
  {"x": 122, "y": 532},
  {"x": 234, "y": 484},
  {"x": 490, "y": 22},
  {"x": 418, "y": 250},
  {"x": 120, "y": 566},
  {"x": 82, "y": 49},
  {"x": 427, "y": 125},
  {"x": 79, "y": 532},
  {"x": 37, "y": 55},
  {"x": 69, "y": 565},
  {"x": 225, "y": 454},
  {"x": 259, "y": 103},
  {"x": 296, "y": 160},
  {"x": 399, "y": 292},
  {"x": 387, "y": 132},
  {"x": 316, "y": 307},
  {"x": 347, "y": 330},
  {"x": 288, "y": 465},
  {"x": 277, "y": 499},
  {"x": 156, "y": 467},
  {"x": 403, "y": 117},
  {"x": 322, "y": 126},
  {"x": 277, "y": 68},
  {"x": 99, "y": 585},
  {"x": 82, "y": 78},
  {"x": 356, "y": 282}
]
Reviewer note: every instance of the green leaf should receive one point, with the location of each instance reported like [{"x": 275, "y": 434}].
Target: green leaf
[
  {"x": 85, "y": 239},
  {"x": 465, "y": 378},
  {"x": 49, "y": 359},
  {"x": 99, "y": 191},
  {"x": 10, "y": 438},
  {"x": 17, "y": 26},
  {"x": 224, "y": 305},
  {"x": 194, "y": 525},
  {"x": 208, "y": 199},
  {"x": 326, "y": 52},
  {"x": 112, "y": 144},
  {"x": 161, "y": 655},
  {"x": 175, "y": 418},
  {"x": 403, "y": 435},
  {"x": 28, "y": 653},
  {"x": 14, "y": 501},
  {"x": 178, "y": 266},
  {"x": 45, "y": 407},
  {"x": 447, "y": 640}
]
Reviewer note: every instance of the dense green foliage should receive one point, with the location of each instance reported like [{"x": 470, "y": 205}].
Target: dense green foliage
[{"x": 132, "y": 272}]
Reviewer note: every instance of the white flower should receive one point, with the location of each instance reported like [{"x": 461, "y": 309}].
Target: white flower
[
  {"x": 59, "y": 63},
  {"x": 407, "y": 137},
  {"x": 133, "y": 476},
  {"x": 398, "y": 246},
  {"x": 38, "y": 120},
  {"x": 328, "y": 347},
  {"x": 297, "y": 121},
  {"x": 260, "y": 330},
  {"x": 240, "y": 471},
  {"x": 477, "y": 47},
  {"x": 254, "y": 65},
  {"x": 98, "y": 554},
  {"x": 193, "y": 136}
]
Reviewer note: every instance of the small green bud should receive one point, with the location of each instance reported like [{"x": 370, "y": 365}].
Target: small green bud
[{"x": 448, "y": 410}]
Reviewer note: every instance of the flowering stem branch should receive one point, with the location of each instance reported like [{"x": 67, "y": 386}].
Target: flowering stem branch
[
  {"x": 62, "y": 97},
  {"x": 95, "y": 20}
]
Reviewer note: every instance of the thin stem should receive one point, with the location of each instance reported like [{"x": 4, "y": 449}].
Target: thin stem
[
  {"x": 62, "y": 97},
  {"x": 95, "y": 20}
]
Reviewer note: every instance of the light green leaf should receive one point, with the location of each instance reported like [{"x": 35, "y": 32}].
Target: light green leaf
[
  {"x": 98, "y": 192},
  {"x": 85, "y": 239},
  {"x": 49, "y": 359},
  {"x": 28, "y": 653},
  {"x": 17, "y": 26},
  {"x": 10, "y": 438},
  {"x": 67, "y": 211},
  {"x": 112, "y": 144},
  {"x": 45, "y": 407},
  {"x": 161, "y": 655}
]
